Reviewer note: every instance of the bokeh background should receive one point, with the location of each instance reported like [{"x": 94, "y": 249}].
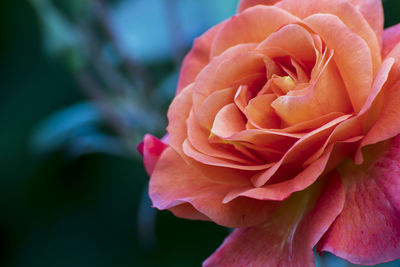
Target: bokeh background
[{"x": 81, "y": 81}]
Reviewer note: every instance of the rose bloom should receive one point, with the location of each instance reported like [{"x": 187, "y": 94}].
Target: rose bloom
[{"x": 285, "y": 126}]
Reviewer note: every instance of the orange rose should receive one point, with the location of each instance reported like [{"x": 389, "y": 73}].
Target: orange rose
[{"x": 270, "y": 107}]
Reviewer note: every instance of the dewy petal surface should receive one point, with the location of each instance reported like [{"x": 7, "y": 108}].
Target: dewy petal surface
[
  {"x": 287, "y": 238},
  {"x": 368, "y": 229}
]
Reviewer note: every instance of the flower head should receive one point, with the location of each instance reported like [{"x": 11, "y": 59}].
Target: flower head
[{"x": 285, "y": 126}]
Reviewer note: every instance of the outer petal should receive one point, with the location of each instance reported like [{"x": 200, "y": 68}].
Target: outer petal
[
  {"x": 197, "y": 58},
  {"x": 286, "y": 239},
  {"x": 384, "y": 111},
  {"x": 251, "y": 26},
  {"x": 151, "y": 149},
  {"x": 368, "y": 229},
  {"x": 391, "y": 37},
  {"x": 249, "y": 3},
  {"x": 178, "y": 112},
  {"x": 174, "y": 183},
  {"x": 372, "y": 11}
]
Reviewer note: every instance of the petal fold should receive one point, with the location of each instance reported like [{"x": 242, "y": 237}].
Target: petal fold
[
  {"x": 368, "y": 229},
  {"x": 151, "y": 149},
  {"x": 249, "y": 3},
  {"x": 287, "y": 239},
  {"x": 197, "y": 58},
  {"x": 174, "y": 183}
]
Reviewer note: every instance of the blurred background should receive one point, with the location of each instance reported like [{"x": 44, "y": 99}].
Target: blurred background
[{"x": 81, "y": 82}]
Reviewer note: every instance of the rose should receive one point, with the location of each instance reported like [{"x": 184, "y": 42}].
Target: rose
[{"x": 270, "y": 107}]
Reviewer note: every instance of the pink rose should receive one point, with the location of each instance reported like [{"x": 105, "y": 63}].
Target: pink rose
[{"x": 286, "y": 126}]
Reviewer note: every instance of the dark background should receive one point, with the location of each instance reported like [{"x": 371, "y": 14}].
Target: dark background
[{"x": 91, "y": 210}]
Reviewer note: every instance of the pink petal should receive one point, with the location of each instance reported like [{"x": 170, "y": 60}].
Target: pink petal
[
  {"x": 151, "y": 149},
  {"x": 391, "y": 37},
  {"x": 293, "y": 39},
  {"x": 291, "y": 162},
  {"x": 249, "y": 3},
  {"x": 287, "y": 239},
  {"x": 310, "y": 125},
  {"x": 368, "y": 229},
  {"x": 190, "y": 151},
  {"x": 212, "y": 105},
  {"x": 352, "y": 55},
  {"x": 325, "y": 94},
  {"x": 174, "y": 183},
  {"x": 260, "y": 113},
  {"x": 251, "y": 26},
  {"x": 197, "y": 58},
  {"x": 347, "y": 13},
  {"x": 228, "y": 121},
  {"x": 372, "y": 11},
  {"x": 178, "y": 113},
  {"x": 224, "y": 71},
  {"x": 199, "y": 139}
]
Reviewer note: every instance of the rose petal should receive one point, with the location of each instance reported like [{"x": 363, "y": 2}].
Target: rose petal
[
  {"x": 261, "y": 139},
  {"x": 352, "y": 55},
  {"x": 251, "y": 26},
  {"x": 391, "y": 37},
  {"x": 372, "y": 11},
  {"x": 212, "y": 105},
  {"x": 178, "y": 112},
  {"x": 174, "y": 183},
  {"x": 346, "y": 13},
  {"x": 228, "y": 121},
  {"x": 197, "y": 58},
  {"x": 353, "y": 126},
  {"x": 310, "y": 125},
  {"x": 287, "y": 239},
  {"x": 199, "y": 139},
  {"x": 281, "y": 191},
  {"x": 226, "y": 70},
  {"x": 249, "y": 3},
  {"x": 325, "y": 94},
  {"x": 294, "y": 39},
  {"x": 297, "y": 153},
  {"x": 151, "y": 149},
  {"x": 177, "y": 115},
  {"x": 187, "y": 211},
  {"x": 242, "y": 97},
  {"x": 368, "y": 229},
  {"x": 213, "y": 161},
  {"x": 333, "y": 155},
  {"x": 260, "y": 113}
]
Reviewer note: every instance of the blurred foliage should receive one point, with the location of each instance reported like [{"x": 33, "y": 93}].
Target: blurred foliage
[{"x": 81, "y": 82}]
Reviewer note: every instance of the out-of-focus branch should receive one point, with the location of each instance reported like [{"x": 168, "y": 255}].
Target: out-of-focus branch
[
  {"x": 135, "y": 70},
  {"x": 110, "y": 75},
  {"x": 101, "y": 100},
  {"x": 174, "y": 26}
]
